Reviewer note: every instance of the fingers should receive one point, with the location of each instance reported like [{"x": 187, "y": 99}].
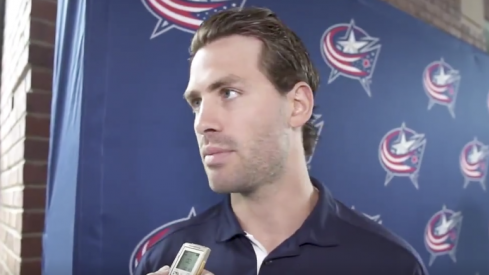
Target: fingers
[
  {"x": 162, "y": 271},
  {"x": 166, "y": 269}
]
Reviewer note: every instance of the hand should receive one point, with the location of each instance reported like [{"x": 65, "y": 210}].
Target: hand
[{"x": 164, "y": 271}]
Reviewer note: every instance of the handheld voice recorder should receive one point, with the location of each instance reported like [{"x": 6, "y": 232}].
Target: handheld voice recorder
[{"x": 190, "y": 260}]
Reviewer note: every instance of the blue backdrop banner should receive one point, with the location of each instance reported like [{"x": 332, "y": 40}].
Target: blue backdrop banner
[{"x": 403, "y": 115}]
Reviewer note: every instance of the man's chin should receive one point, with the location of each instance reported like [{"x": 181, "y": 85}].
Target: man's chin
[
  {"x": 221, "y": 186},
  {"x": 219, "y": 189},
  {"x": 229, "y": 185}
]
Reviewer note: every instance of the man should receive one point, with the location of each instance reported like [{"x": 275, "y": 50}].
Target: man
[{"x": 252, "y": 87}]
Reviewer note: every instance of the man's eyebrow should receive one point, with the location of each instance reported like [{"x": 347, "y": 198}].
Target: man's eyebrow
[{"x": 216, "y": 85}]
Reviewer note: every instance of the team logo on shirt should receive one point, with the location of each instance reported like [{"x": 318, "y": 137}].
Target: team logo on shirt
[
  {"x": 401, "y": 152},
  {"x": 318, "y": 122},
  {"x": 149, "y": 240},
  {"x": 441, "y": 83},
  {"x": 442, "y": 234},
  {"x": 375, "y": 218},
  {"x": 351, "y": 52},
  {"x": 185, "y": 15},
  {"x": 473, "y": 163}
]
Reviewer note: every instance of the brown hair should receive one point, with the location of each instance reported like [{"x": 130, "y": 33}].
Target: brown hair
[{"x": 285, "y": 60}]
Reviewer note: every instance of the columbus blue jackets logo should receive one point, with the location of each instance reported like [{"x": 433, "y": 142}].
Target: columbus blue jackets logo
[
  {"x": 185, "y": 15},
  {"x": 401, "y": 153},
  {"x": 442, "y": 234},
  {"x": 375, "y": 218},
  {"x": 351, "y": 52},
  {"x": 318, "y": 122},
  {"x": 473, "y": 163},
  {"x": 441, "y": 83},
  {"x": 149, "y": 240}
]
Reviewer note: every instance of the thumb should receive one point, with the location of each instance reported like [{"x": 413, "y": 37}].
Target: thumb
[
  {"x": 162, "y": 271},
  {"x": 205, "y": 272}
]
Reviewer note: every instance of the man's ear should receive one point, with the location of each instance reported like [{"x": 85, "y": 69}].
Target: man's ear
[{"x": 301, "y": 98}]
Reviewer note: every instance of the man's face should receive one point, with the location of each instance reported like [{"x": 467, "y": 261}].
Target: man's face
[{"x": 240, "y": 118}]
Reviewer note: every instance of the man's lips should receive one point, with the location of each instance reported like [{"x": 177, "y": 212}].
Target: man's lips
[
  {"x": 213, "y": 150},
  {"x": 215, "y": 156}
]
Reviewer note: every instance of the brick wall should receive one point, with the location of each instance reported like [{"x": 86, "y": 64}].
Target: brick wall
[
  {"x": 486, "y": 10},
  {"x": 25, "y": 103},
  {"x": 486, "y": 17},
  {"x": 446, "y": 15}
]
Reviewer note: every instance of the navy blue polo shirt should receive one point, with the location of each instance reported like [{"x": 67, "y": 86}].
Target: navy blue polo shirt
[{"x": 334, "y": 240}]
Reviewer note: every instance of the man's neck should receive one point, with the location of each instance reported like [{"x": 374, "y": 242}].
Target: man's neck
[{"x": 278, "y": 209}]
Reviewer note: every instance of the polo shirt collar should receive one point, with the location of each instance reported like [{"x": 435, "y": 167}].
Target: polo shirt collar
[{"x": 320, "y": 228}]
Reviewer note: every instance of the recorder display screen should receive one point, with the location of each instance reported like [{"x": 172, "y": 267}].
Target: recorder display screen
[{"x": 187, "y": 261}]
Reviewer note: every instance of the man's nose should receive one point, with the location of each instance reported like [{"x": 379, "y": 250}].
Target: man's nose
[{"x": 208, "y": 118}]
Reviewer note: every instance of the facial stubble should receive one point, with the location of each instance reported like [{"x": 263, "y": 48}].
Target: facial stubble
[{"x": 261, "y": 160}]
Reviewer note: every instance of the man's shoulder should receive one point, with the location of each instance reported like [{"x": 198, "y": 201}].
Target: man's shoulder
[
  {"x": 371, "y": 229},
  {"x": 367, "y": 234},
  {"x": 194, "y": 230}
]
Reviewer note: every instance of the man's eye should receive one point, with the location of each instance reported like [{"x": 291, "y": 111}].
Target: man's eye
[
  {"x": 229, "y": 94},
  {"x": 195, "y": 103}
]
